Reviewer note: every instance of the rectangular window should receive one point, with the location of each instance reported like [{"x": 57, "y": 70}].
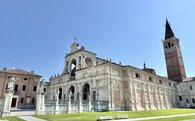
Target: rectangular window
[
  {"x": 6, "y": 86},
  {"x": 25, "y": 78},
  {"x": 34, "y": 88},
  {"x": 160, "y": 81},
  {"x": 150, "y": 79},
  {"x": 94, "y": 95},
  {"x": 22, "y": 100},
  {"x": 191, "y": 87},
  {"x": 24, "y": 87},
  {"x": 180, "y": 98},
  {"x": 44, "y": 89},
  {"x": 187, "y": 101},
  {"x": 16, "y": 88},
  {"x": 137, "y": 75},
  {"x": 79, "y": 61},
  {"x": 193, "y": 100},
  {"x": 33, "y": 101}
]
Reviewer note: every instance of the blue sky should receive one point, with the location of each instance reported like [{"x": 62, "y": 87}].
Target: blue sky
[{"x": 36, "y": 34}]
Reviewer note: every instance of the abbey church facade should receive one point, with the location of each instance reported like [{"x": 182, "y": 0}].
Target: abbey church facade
[{"x": 90, "y": 83}]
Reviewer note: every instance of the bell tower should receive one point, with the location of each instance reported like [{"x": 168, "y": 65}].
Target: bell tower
[{"x": 173, "y": 55}]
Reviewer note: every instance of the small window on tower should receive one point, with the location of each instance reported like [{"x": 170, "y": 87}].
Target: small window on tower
[
  {"x": 169, "y": 44},
  {"x": 166, "y": 46},
  {"x": 172, "y": 44}
]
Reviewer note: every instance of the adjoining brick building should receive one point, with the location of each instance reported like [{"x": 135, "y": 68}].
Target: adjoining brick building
[{"x": 24, "y": 88}]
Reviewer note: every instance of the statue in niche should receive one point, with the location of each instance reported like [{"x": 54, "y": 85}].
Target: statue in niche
[
  {"x": 70, "y": 95},
  {"x": 57, "y": 94},
  {"x": 41, "y": 90},
  {"x": 10, "y": 87}
]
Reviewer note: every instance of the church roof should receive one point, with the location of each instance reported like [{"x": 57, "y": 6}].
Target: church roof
[
  {"x": 189, "y": 79},
  {"x": 18, "y": 71},
  {"x": 168, "y": 31}
]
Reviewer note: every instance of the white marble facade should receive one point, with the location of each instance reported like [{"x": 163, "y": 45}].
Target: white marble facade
[{"x": 89, "y": 78}]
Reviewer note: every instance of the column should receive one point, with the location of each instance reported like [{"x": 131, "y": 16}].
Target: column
[
  {"x": 108, "y": 94},
  {"x": 155, "y": 98},
  {"x": 80, "y": 102},
  {"x": 57, "y": 108},
  {"x": 149, "y": 101},
  {"x": 159, "y": 96},
  {"x": 7, "y": 104},
  {"x": 130, "y": 94},
  {"x": 143, "y": 96},
  {"x": 135, "y": 96},
  {"x": 40, "y": 105},
  {"x": 90, "y": 106}
]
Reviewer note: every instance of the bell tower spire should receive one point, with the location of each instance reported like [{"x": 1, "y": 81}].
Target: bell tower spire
[
  {"x": 168, "y": 31},
  {"x": 173, "y": 56}
]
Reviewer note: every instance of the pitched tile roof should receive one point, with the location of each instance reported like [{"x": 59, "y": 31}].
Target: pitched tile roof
[{"x": 18, "y": 71}]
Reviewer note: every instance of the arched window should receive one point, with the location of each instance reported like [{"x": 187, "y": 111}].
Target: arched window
[
  {"x": 193, "y": 100},
  {"x": 172, "y": 44},
  {"x": 73, "y": 69},
  {"x": 60, "y": 93},
  {"x": 166, "y": 46},
  {"x": 86, "y": 91}
]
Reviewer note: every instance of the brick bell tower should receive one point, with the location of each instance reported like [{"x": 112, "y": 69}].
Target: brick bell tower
[{"x": 173, "y": 56}]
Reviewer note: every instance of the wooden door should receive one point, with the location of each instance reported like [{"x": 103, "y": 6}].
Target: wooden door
[{"x": 14, "y": 100}]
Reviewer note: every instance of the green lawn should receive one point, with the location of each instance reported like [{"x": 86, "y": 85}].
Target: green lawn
[
  {"x": 11, "y": 119},
  {"x": 92, "y": 116}
]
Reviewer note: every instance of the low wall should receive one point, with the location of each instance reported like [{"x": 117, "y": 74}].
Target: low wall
[{"x": 66, "y": 106}]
